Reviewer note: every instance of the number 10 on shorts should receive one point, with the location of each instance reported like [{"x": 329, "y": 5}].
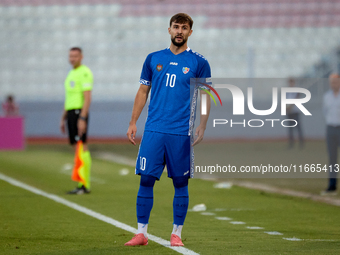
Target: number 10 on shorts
[{"x": 142, "y": 162}]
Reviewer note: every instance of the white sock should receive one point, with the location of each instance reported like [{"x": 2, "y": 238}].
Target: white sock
[
  {"x": 177, "y": 230},
  {"x": 143, "y": 228}
]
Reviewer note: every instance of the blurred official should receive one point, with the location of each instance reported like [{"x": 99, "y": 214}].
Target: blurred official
[
  {"x": 294, "y": 113},
  {"x": 78, "y": 87},
  {"x": 331, "y": 109}
]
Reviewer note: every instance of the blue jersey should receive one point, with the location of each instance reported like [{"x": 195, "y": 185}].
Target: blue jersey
[{"x": 169, "y": 77}]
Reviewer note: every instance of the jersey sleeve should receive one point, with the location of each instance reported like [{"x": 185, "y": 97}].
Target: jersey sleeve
[
  {"x": 204, "y": 74},
  {"x": 87, "y": 80},
  {"x": 146, "y": 75},
  {"x": 204, "y": 70}
]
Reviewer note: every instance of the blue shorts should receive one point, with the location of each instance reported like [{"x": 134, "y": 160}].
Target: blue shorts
[{"x": 158, "y": 149}]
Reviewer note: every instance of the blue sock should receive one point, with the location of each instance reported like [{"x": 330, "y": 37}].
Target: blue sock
[
  {"x": 145, "y": 199},
  {"x": 180, "y": 204}
]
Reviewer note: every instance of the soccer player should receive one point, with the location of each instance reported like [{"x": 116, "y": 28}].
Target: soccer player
[
  {"x": 167, "y": 138},
  {"x": 78, "y": 86}
]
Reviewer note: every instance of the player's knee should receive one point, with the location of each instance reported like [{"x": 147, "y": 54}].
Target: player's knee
[
  {"x": 180, "y": 182},
  {"x": 147, "y": 181}
]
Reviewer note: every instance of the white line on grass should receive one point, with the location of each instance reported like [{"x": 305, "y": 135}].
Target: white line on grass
[
  {"x": 321, "y": 240},
  {"x": 223, "y": 218},
  {"x": 292, "y": 239},
  {"x": 254, "y": 227},
  {"x": 237, "y": 222},
  {"x": 312, "y": 240},
  {"x": 274, "y": 233},
  {"x": 93, "y": 214}
]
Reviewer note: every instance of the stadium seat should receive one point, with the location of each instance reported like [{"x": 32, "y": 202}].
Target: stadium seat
[{"x": 286, "y": 38}]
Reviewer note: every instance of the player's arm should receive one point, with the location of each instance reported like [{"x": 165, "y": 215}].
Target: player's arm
[
  {"x": 140, "y": 100},
  {"x": 62, "y": 122},
  {"x": 84, "y": 113},
  {"x": 203, "y": 121}
]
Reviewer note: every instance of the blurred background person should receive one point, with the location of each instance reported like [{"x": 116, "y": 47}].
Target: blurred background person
[
  {"x": 294, "y": 113},
  {"x": 9, "y": 107},
  {"x": 78, "y": 86},
  {"x": 331, "y": 109}
]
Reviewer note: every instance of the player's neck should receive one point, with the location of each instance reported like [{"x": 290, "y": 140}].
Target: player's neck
[
  {"x": 76, "y": 66},
  {"x": 178, "y": 50}
]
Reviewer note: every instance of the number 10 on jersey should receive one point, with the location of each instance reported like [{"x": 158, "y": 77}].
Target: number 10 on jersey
[
  {"x": 142, "y": 162},
  {"x": 170, "y": 80}
]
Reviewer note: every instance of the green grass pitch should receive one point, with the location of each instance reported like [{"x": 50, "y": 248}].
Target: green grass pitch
[{"x": 32, "y": 224}]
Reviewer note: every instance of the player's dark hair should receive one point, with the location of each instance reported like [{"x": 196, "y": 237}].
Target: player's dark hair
[
  {"x": 76, "y": 48},
  {"x": 182, "y": 18}
]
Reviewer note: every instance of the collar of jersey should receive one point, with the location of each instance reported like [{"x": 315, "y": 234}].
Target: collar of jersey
[{"x": 187, "y": 49}]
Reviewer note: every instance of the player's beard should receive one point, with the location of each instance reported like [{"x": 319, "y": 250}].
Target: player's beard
[{"x": 178, "y": 44}]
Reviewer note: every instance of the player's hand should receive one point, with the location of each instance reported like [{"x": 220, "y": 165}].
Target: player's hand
[
  {"x": 62, "y": 126},
  {"x": 131, "y": 133},
  {"x": 199, "y": 135},
  {"x": 81, "y": 127}
]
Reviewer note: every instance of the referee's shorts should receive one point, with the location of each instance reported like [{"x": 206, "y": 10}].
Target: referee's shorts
[{"x": 72, "y": 120}]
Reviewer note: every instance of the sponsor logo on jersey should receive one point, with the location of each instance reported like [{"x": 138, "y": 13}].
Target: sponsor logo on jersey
[
  {"x": 173, "y": 63},
  {"x": 159, "y": 67},
  {"x": 72, "y": 83},
  {"x": 186, "y": 70}
]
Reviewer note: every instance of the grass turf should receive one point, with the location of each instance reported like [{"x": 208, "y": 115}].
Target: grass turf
[{"x": 31, "y": 224}]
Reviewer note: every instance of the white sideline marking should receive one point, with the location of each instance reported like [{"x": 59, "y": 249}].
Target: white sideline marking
[
  {"x": 274, "y": 233},
  {"x": 237, "y": 222},
  {"x": 223, "y": 218},
  {"x": 311, "y": 240},
  {"x": 254, "y": 227},
  {"x": 292, "y": 239},
  {"x": 93, "y": 214},
  {"x": 320, "y": 240}
]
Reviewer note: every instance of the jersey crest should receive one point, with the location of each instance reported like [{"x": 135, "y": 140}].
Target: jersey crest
[
  {"x": 159, "y": 67},
  {"x": 185, "y": 70}
]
